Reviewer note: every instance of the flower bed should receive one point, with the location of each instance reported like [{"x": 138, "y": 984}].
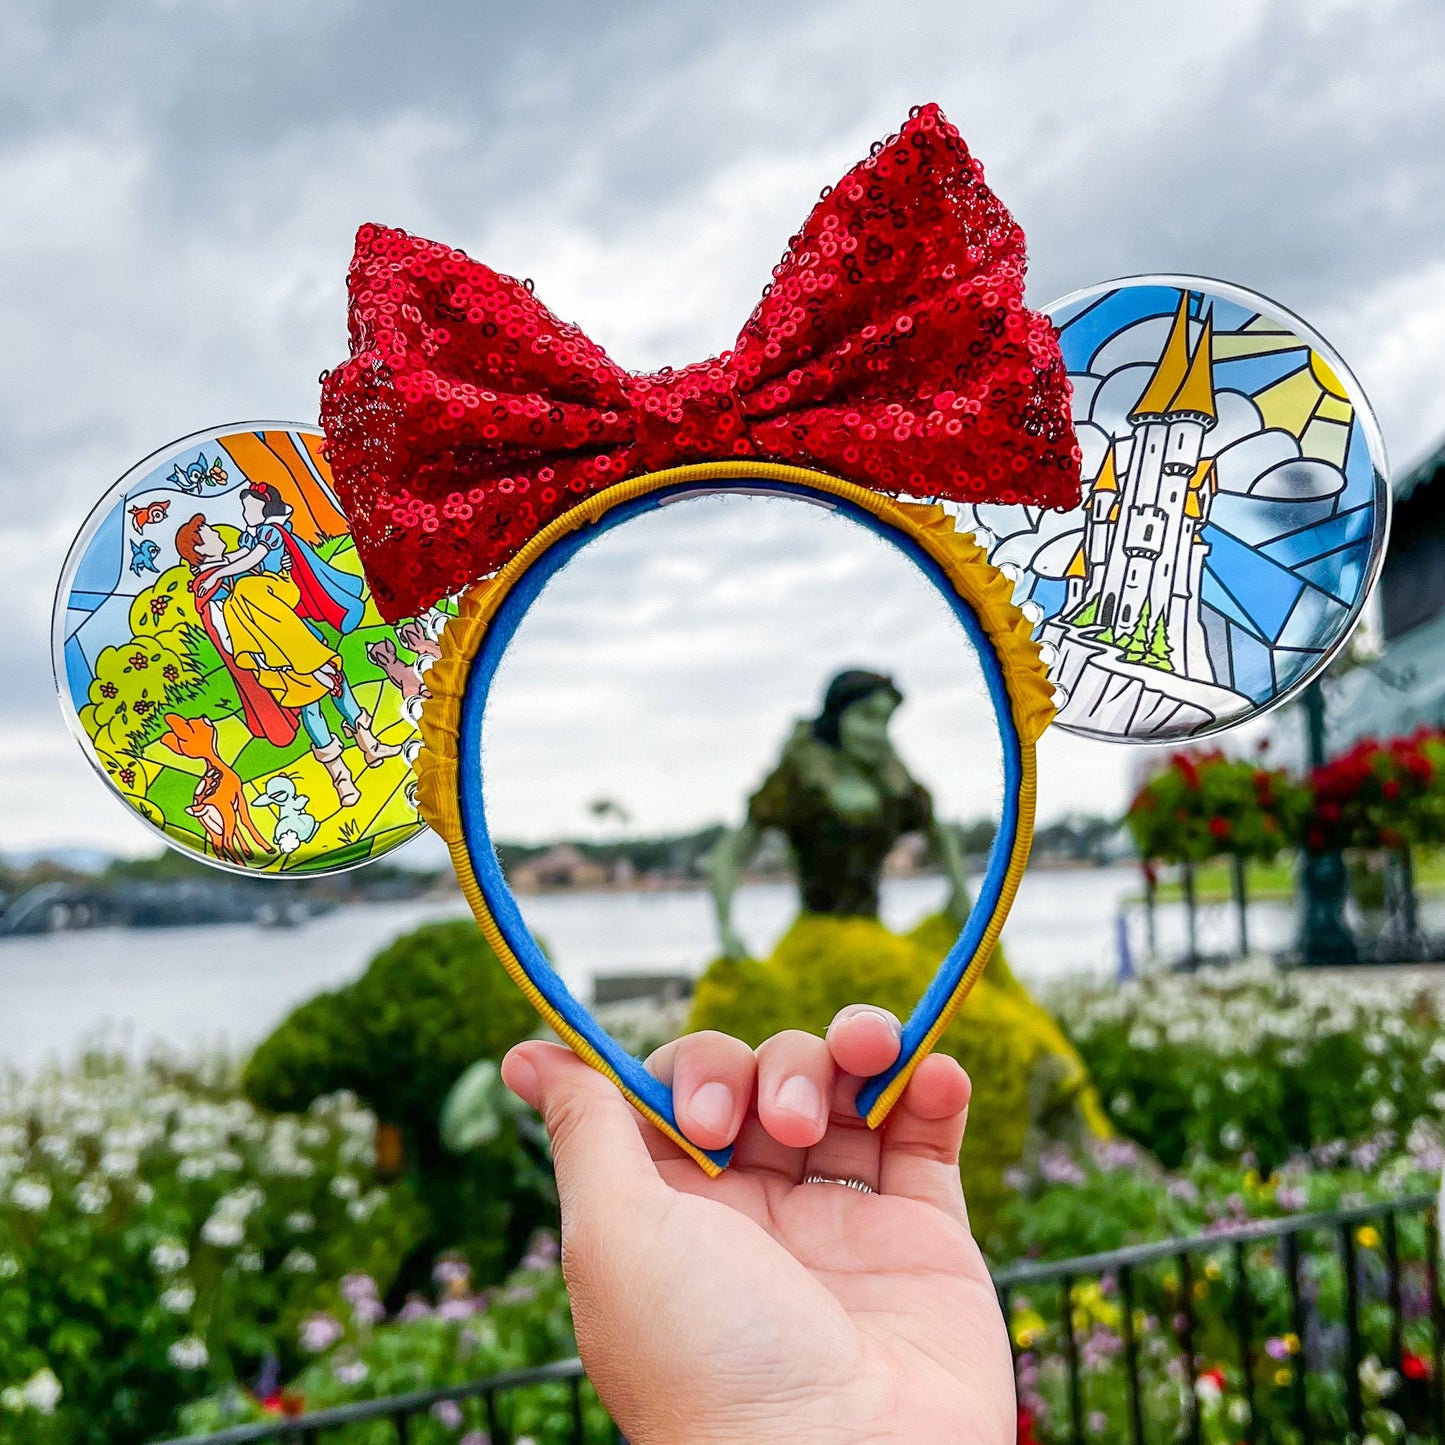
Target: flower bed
[
  {"x": 455, "y": 1335},
  {"x": 1246, "y": 1060},
  {"x": 1117, "y": 1197},
  {"x": 158, "y": 1234}
]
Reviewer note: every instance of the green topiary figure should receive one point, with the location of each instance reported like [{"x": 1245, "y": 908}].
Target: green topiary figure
[
  {"x": 843, "y": 797},
  {"x": 428, "y": 1007}
]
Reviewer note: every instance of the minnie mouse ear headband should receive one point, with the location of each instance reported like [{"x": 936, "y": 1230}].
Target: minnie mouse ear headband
[{"x": 478, "y": 443}]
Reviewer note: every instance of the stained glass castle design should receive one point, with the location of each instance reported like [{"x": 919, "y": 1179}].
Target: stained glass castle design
[{"x": 1136, "y": 578}]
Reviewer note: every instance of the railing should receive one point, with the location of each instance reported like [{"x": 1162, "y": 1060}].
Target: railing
[
  {"x": 482, "y": 1403},
  {"x": 1269, "y": 1345},
  {"x": 1289, "y": 1334}
]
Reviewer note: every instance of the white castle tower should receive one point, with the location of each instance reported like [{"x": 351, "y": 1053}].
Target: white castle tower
[{"x": 1135, "y": 579}]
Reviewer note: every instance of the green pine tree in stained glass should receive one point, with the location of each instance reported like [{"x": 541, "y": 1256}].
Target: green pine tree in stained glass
[
  {"x": 1159, "y": 654},
  {"x": 1136, "y": 648}
]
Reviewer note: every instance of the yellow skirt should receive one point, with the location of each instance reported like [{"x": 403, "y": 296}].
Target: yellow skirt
[{"x": 269, "y": 639}]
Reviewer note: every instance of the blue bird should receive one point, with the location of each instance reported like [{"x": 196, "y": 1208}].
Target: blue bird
[{"x": 143, "y": 556}]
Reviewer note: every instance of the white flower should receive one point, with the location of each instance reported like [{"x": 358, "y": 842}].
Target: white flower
[
  {"x": 189, "y": 1353},
  {"x": 223, "y": 1231},
  {"x": 1382, "y": 1111},
  {"x": 300, "y": 1222},
  {"x": 12, "y": 1398},
  {"x": 299, "y": 1262},
  {"x": 169, "y": 1256},
  {"x": 196, "y": 1166},
  {"x": 9, "y": 1266},
  {"x": 1376, "y": 1379},
  {"x": 144, "y": 1193},
  {"x": 42, "y": 1391},
  {"x": 91, "y": 1196},
  {"x": 249, "y": 1261},
  {"x": 179, "y": 1298},
  {"x": 345, "y": 1187},
  {"x": 118, "y": 1163},
  {"x": 31, "y": 1194}
]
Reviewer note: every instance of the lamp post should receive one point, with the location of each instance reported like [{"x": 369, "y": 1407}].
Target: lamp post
[{"x": 1325, "y": 939}]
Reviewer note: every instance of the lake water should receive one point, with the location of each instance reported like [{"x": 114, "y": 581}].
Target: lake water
[{"x": 230, "y": 985}]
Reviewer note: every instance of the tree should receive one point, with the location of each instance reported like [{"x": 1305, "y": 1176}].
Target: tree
[
  {"x": 1136, "y": 647},
  {"x": 1159, "y": 654}
]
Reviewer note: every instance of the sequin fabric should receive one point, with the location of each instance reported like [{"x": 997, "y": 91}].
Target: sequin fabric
[{"x": 892, "y": 348}]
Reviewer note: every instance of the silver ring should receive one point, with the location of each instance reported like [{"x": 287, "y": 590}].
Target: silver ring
[{"x": 860, "y": 1185}]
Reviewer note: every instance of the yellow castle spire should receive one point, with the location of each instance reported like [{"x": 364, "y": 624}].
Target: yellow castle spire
[
  {"x": 1171, "y": 371},
  {"x": 1108, "y": 478},
  {"x": 1196, "y": 394}
]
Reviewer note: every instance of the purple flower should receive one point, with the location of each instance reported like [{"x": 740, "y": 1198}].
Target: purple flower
[
  {"x": 319, "y": 1332},
  {"x": 1276, "y": 1348},
  {"x": 453, "y": 1310},
  {"x": 451, "y": 1270},
  {"x": 1112, "y": 1155},
  {"x": 415, "y": 1308},
  {"x": 1057, "y": 1167},
  {"x": 1184, "y": 1190},
  {"x": 1291, "y": 1197},
  {"x": 449, "y": 1413},
  {"x": 1098, "y": 1422},
  {"x": 368, "y": 1311},
  {"x": 475, "y": 1437},
  {"x": 358, "y": 1287},
  {"x": 543, "y": 1251}
]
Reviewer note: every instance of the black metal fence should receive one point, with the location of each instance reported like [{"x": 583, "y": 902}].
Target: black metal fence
[{"x": 1297, "y": 1329}]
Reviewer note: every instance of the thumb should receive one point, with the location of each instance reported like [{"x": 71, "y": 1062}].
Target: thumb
[{"x": 601, "y": 1162}]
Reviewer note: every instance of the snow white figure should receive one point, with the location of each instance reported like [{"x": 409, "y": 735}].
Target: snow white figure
[{"x": 261, "y": 604}]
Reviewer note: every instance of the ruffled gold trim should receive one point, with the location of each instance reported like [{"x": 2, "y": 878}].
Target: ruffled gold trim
[{"x": 981, "y": 585}]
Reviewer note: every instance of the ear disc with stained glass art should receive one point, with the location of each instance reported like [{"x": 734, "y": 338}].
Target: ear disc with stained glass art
[
  {"x": 1235, "y": 512},
  {"x": 223, "y": 667}
]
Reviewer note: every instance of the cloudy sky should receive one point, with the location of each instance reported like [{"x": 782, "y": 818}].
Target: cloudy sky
[{"x": 181, "y": 183}]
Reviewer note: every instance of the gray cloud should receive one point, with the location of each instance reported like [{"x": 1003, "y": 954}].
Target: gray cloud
[{"x": 182, "y": 183}]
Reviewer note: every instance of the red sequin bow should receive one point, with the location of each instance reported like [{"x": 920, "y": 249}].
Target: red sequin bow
[{"x": 893, "y": 348}]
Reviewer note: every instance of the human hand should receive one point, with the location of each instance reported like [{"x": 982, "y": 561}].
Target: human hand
[{"x": 756, "y": 1307}]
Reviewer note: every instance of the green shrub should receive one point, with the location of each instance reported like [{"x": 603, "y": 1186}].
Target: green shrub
[{"x": 428, "y": 1006}]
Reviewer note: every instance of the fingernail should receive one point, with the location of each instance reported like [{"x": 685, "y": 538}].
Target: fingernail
[
  {"x": 711, "y": 1107},
  {"x": 521, "y": 1078},
  {"x": 799, "y": 1095},
  {"x": 894, "y": 1027}
]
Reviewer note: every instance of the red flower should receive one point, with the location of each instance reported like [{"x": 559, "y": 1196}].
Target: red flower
[
  {"x": 282, "y": 1402},
  {"x": 1390, "y": 789},
  {"x": 1219, "y": 827},
  {"x": 1413, "y": 1366},
  {"x": 1215, "y": 1376},
  {"x": 1026, "y": 1428}
]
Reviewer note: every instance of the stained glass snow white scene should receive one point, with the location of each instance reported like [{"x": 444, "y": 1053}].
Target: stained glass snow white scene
[
  {"x": 1234, "y": 514},
  {"x": 221, "y": 662}
]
